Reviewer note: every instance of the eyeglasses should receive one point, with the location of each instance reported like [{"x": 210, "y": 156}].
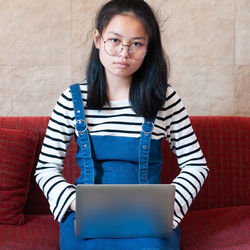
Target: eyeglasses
[{"x": 114, "y": 47}]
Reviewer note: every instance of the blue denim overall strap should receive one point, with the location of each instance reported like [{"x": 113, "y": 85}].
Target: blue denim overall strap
[
  {"x": 144, "y": 148},
  {"x": 83, "y": 134}
]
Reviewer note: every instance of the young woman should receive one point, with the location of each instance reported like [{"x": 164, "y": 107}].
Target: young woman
[{"x": 125, "y": 94}]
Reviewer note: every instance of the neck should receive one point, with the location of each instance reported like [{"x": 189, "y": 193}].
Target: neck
[{"x": 118, "y": 88}]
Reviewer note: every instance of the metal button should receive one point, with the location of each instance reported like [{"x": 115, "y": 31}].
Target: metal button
[
  {"x": 85, "y": 145},
  {"x": 78, "y": 111},
  {"x": 144, "y": 146},
  {"x": 147, "y": 127}
]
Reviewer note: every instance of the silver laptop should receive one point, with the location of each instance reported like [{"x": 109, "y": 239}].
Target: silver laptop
[{"x": 124, "y": 210}]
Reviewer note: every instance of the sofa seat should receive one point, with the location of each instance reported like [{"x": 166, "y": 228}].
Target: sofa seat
[
  {"x": 229, "y": 229},
  {"x": 39, "y": 232}
]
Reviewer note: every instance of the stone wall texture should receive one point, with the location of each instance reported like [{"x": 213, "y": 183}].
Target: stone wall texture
[{"x": 44, "y": 47}]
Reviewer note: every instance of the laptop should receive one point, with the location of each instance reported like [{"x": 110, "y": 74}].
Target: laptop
[{"x": 124, "y": 210}]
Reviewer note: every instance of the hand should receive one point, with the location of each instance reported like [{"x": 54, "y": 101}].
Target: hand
[{"x": 73, "y": 205}]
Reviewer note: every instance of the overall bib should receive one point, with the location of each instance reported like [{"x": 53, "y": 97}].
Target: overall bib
[{"x": 114, "y": 160}]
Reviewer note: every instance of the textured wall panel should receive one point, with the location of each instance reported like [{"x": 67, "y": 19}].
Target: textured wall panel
[
  {"x": 206, "y": 89},
  {"x": 199, "y": 32},
  {"x": 242, "y": 51},
  {"x": 44, "y": 47},
  {"x": 27, "y": 91},
  {"x": 35, "y": 32},
  {"x": 242, "y": 90}
]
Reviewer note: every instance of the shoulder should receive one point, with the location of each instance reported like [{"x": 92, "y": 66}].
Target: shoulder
[
  {"x": 83, "y": 87},
  {"x": 66, "y": 94},
  {"x": 173, "y": 107},
  {"x": 172, "y": 98}
]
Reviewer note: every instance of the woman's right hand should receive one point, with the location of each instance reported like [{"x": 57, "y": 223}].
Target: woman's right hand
[{"x": 73, "y": 205}]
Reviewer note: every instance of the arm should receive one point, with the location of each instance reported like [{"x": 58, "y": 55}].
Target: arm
[
  {"x": 191, "y": 161},
  {"x": 59, "y": 193}
]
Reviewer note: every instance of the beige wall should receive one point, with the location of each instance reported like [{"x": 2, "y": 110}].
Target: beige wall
[{"x": 44, "y": 46}]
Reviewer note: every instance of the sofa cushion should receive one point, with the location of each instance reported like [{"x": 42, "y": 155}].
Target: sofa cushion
[
  {"x": 219, "y": 228},
  {"x": 39, "y": 232},
  {"x": 17, "y": 149}
]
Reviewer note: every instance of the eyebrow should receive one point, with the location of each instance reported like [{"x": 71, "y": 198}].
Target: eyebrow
[{"x": 133, "y": 38}]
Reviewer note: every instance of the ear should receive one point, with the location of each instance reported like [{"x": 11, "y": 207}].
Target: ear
[{"x": 96, "y": 38}]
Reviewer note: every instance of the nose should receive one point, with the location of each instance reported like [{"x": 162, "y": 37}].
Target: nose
[{"x": 125, "y": 51}]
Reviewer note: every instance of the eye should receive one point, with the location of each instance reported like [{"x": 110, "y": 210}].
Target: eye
[
  {"x": 114, "y": 40},
  {"x": 136, "y": 44}
]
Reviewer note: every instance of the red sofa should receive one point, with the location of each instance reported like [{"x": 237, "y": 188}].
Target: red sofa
[{"x": 218, "y": 217}]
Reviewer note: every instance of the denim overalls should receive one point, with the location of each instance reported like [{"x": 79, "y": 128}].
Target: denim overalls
[{"x": 114, "y": 160}]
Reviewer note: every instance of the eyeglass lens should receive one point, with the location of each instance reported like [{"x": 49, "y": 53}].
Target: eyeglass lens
[{"x": 115, "y": 48}]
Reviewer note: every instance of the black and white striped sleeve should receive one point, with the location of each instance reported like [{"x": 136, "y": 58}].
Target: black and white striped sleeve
[
  {"x": 60, "y": 130},
  {"x": 191, "y": 161}
]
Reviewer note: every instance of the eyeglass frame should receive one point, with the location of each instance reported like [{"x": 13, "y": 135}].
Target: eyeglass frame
[{"x": 122, "y": 45}]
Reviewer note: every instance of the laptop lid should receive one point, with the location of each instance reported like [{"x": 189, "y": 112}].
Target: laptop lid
[{"x": 124, "y": 210}]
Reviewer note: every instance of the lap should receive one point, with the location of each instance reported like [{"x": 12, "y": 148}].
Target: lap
[{"x": 69, "y": 241}]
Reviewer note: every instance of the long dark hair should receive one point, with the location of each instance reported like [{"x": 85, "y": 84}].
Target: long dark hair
[{"x": 149, "y": 83}]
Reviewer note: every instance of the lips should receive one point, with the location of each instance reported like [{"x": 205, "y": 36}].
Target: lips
[{"x": 121, "y": 65}]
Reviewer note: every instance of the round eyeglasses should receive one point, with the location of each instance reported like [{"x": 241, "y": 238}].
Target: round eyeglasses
[{"x": 114, "y": 47}]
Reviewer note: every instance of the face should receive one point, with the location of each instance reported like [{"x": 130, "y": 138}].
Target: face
[{"x": 130, "y": 31}]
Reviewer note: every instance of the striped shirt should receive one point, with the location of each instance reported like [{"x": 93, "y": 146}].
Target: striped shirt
[{"x": 118, "y": 119}]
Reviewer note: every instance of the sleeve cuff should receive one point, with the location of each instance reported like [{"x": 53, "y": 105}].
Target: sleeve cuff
[{"x": 66, "y": 208}]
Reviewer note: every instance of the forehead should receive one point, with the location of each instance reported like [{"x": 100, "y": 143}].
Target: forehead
[{"x": 127, "y": 25}]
